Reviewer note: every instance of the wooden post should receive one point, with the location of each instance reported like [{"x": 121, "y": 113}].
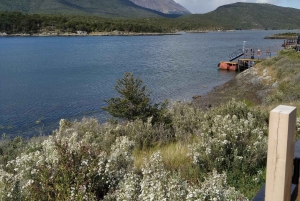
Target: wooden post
[{"x": 280, "y": 153}]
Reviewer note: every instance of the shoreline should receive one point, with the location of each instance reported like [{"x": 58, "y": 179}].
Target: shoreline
[
  {"x": 280, "y": 37},
  {"x": 245, "y": 86},
  {"x": 114, "y": 33}
]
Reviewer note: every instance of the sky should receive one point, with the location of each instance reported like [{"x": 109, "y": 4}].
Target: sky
[{"x": 204, "y": 6}]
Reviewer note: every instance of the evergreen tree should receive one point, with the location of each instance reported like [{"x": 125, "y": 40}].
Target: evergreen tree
[{"x": 134, "y": 102}]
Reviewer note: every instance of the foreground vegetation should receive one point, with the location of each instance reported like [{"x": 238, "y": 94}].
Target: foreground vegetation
[
  {"x": 89, "y": 161},
  {"x": 217, "y": 154}
]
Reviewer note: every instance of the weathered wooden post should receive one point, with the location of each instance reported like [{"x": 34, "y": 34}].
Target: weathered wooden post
[{"x": 280, "y": 153}]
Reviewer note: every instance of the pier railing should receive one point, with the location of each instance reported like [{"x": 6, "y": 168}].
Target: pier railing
[
  {"x": 289, "y": 43},
  {"x": 283, "y": 158}
]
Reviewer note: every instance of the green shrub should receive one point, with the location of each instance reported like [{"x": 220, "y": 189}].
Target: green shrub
[
  {"x": 186, "y": 120},
  {"x": 10, "y": 149}
]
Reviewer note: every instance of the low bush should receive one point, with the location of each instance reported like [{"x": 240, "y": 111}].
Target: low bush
[
  {"x": 67, "y": 166},
  {"x": 90, "y": 161},
  {"x": 157, "y": 183},
  {"x": 9, "y": 149},
  {"x": 233, "y": 138}
]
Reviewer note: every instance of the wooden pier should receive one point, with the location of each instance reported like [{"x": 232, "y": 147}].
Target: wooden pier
[
  {"x": 247, "y": 58},
  {"x": 292, "y": 43},
  {"x": 246, "y": 63}
]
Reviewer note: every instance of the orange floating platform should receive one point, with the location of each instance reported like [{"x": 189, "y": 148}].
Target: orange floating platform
[{"x": 228, "y": 65}]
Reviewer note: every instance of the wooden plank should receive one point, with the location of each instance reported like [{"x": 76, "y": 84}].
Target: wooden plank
[{"x": 280, "y": 153}]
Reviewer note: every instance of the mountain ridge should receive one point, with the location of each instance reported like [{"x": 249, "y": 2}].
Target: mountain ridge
[
  {"x": 246, "y": 16},
  {"x": 164, "y": 6},
  {"x": 105, "y": 8}
]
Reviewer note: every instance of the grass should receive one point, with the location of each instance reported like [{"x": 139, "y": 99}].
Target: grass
[
  {"x": 175, "y": 158},
  {"x": 286, "y": 35}
]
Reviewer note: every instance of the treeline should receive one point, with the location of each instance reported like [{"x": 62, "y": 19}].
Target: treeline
[
  {"x": 16, "y": 22},
  {"x": 20, "y": 23}
]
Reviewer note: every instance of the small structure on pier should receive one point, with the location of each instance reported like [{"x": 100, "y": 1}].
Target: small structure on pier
[
  {"x": 292, "y": 43},
  {"x": 250, "y": 56}
]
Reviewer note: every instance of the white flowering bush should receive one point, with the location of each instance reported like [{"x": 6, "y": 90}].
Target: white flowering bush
[
  {"x": 214, "y": 188},
  {"x": 153, "y": 183},
  {"x": 231, "y": 143},
  {"x": 233, "y": 138},
  {"x": 240, "y": 110},
  {"x": 67, "y": 167},
  {"x": 157, "y": 183}
]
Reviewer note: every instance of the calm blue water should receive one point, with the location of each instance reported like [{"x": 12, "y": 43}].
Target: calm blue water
[{"x": 45, "y": 79}]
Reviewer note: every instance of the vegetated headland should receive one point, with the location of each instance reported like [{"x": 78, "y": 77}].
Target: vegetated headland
[
  {"x": 287, "y": 35},
  {"x": 202, "y": 153}
]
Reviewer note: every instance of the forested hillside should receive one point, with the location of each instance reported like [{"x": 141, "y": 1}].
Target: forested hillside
[
  {"x": 106, "y": 8},
  {"x": 18, "y": 23},
  {"x": 247, "y": 16}
]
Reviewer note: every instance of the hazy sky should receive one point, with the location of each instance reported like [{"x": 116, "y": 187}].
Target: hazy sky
[{"x": 204, "y": 6}]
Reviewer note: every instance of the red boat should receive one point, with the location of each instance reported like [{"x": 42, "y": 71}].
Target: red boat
[{"x": 228, "y": 65}]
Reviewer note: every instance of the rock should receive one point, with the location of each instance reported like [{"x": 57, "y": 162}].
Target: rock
[
  {"x": 275, "y": 84},
  {"x": 196, "y": 96},
  {"x": 265, "y": 72},
  {"x": 262, "y": 93}
]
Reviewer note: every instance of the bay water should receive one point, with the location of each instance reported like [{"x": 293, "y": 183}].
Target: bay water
[{"x": 45, "y": 79}]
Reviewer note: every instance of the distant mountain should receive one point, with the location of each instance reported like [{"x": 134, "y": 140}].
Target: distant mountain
[
  {"x": 164, "y": 6},
  {"x": 246, "y": 16},
  {"x": 107, "y": 8}
]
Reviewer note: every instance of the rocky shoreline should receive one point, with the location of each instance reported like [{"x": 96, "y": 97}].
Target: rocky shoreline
[{"x": 251, "y": 85}]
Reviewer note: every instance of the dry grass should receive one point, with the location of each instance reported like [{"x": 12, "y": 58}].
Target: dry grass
[{"x": 175, "y": 158}]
